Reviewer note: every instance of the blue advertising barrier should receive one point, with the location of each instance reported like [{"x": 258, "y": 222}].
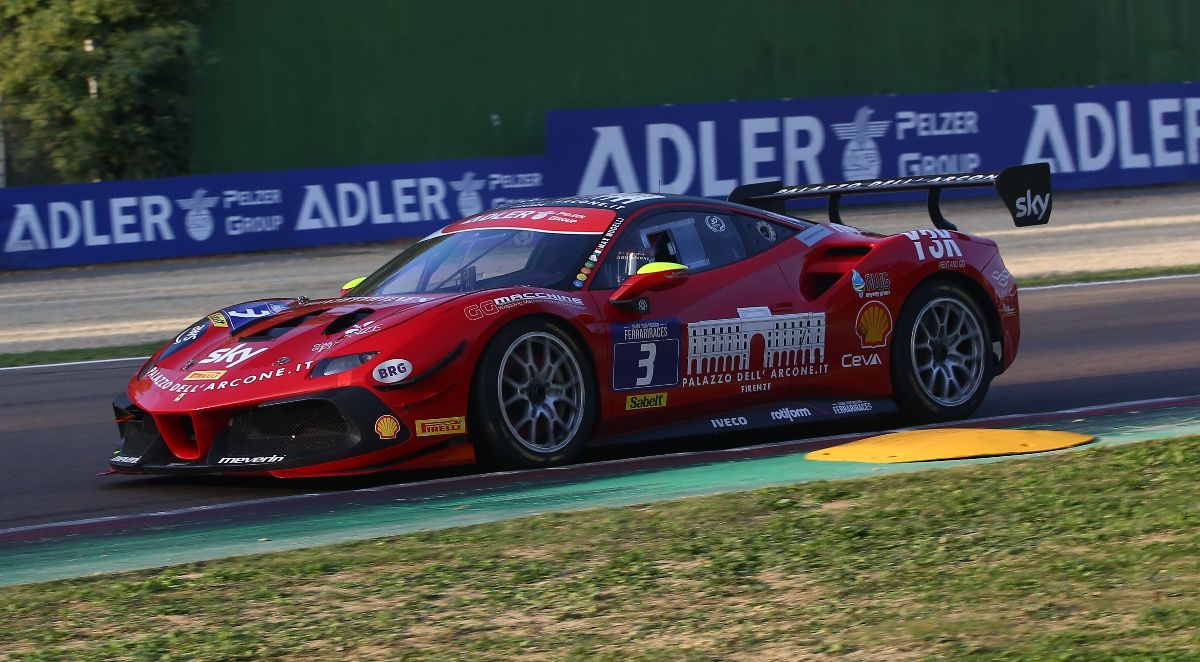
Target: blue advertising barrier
[
  {"x": 1092, "y": 137},
  {"x": 52, "y": 226}
]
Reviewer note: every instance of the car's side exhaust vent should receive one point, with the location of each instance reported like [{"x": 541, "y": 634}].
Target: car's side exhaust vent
[
  {"x": 348, "y": 320},
  {"x": 276, "y": 330},
  {"x": 827, "y": 267}
]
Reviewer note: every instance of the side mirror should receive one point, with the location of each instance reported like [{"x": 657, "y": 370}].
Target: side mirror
[
  {"x": 651, "y": 277},
  {"x": 351, "y": 285}
]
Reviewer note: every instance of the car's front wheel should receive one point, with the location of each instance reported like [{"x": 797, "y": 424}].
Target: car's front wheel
[
  {"x": 941, "y": 360},
  {"x": 534, "y": 397}
]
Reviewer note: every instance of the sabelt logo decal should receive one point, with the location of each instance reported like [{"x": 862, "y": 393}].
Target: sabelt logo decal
[
  {"x": 432, "y": 427},
  {"x": 387, "y": 427},
  {"x": 204, "y": 375},
  {"x": 645, "y": 401},
  {"x": 218, "y": 319}
]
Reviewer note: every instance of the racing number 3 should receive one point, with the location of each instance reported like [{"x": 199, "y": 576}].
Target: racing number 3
[
  {"x": 647, "y": 364},
  {"x": 645, "y": 355}
]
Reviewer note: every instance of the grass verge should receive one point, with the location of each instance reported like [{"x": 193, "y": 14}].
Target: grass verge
[
  {"x": 1083, "y": 556},
  {"x": 1113, "y": 274},
  {"x": 64, "y": 355}
]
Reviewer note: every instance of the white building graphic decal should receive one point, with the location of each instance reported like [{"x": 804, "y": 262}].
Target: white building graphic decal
[{"x": 719, "y": 346}]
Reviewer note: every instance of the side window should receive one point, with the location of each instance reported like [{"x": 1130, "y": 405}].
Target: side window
[
  {"x": 761, "y": 234},
  {"x": 697, "y": 240}
]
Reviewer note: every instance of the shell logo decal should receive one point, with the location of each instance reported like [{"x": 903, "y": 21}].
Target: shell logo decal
[
  {"x": 387, "y": 426},
  {"x": 874, "y": 325}
]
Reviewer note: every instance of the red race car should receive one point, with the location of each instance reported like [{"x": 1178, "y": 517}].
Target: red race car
[{"x": 522, "y": 334}]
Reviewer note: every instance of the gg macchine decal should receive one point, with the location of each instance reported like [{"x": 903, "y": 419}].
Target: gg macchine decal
[
  {"x": 645, "y": 354},
  {"x": 755, "y": 351}
]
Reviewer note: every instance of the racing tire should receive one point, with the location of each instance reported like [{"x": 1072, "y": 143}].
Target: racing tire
[
  {"x": 534, "y": 399},
  {"x": 941, "y": 357}
]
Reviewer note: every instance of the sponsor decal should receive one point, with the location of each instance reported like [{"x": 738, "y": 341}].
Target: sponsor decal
[
  {"x": 872, "y": 285},
  {"x": 873, "y": 325},
  {"x": 479, "y": 310},
  {"x": 594, "y": 257},
  {"x": 1007, "y": 310},
  {"x": 432, "y": 427},
  {"x": 387, "y": 427},
  {"x": 860, "y": 158},
  {"x": 1006, "y": 285},
  {"x": 851, "y": 407},
  {"x": 204, "y": 375},
  {"x": 645, "y": 401},
  {"x": 766, "y": 230},
  {"x": 392, "y": 371},
  {"x": 816, "y": 233},
  {"x": 933, "y": 244},
  {"x": 242, "y": 315},
  {"x": 329, "y": 344},
  {"x": 261, "y": 459},
  {"x": 754, "y": 312},
  {"x": 232, "y": 356},
  {"x": 198, "y": 221},
  {"x": 380, "y": 299},
  {"x": 860, "y": 360},
  {"x": 468, "y": 200},
  {"x": 645, "y": 354},
  {"x": 790, "y": 413},
  {"x": 732, "y": 422},
  {"x": 952, "y": 264},
  {"x": 362, "y": 329},
  {"x": 1032, "y": 205},
  {"x": 191, "y": 334},
  {"x": 125, "y": 459},
  {"x": 165, "y": 383},
  {"x": 714, "y": 223},
  {"x": 219, "y": 319},
  {"x": 726, "y": 351}
]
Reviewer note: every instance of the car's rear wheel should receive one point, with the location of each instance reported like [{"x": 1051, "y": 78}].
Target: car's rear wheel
[
  {"x": 941, "y": 361},
  {"x": 534, "y": 397}
]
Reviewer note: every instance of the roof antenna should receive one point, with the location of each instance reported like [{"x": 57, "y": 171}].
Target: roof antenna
[{"x": 659, "y": 186}]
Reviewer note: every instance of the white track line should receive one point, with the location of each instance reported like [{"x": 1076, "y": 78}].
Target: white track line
[
  {"x": 1124, "y": 281},
  {"x": 74, "y": 363},
  {"x": 1130, "y": 405}
]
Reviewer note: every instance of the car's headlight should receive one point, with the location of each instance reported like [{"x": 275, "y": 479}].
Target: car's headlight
[{"x": 335, "y": 364}]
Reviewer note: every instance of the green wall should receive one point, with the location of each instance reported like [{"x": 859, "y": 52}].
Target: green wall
[{"x": 310, "y": 83}]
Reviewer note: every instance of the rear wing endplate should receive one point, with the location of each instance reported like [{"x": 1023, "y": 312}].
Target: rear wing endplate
[{"x": 1025, "y": 190}]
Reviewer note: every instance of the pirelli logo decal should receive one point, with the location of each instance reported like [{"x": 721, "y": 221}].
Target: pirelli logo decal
[
  {"x": 432, "y": 427},
  {"x": 645, "y": 401},
  {"x": 203, "y": 375}
]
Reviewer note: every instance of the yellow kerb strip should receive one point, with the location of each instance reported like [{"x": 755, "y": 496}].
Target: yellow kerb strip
[{"x": 949, "y": 444}]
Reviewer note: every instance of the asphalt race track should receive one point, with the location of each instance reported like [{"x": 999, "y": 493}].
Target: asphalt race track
[{"x": 1081, "y": 346}]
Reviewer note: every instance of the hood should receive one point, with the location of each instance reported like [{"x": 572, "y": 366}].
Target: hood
[{"x": 272, "y": 339}]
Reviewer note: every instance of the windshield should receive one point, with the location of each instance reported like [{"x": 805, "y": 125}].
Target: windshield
[{"x": 482, "y": 260}]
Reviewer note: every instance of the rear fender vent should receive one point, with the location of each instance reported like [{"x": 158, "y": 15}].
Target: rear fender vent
[
  {"x": 276, "y": 330},
  {"x": 824, "y": 269},
  {"x": 348, "y": 320}
]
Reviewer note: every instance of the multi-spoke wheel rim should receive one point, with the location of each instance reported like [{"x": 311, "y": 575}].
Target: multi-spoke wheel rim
[
  {"x": 948, "y": 351},
  {"x": 541, "y": 392}
]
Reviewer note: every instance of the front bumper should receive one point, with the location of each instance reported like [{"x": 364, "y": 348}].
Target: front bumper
[{"x": 276, "y": 435}]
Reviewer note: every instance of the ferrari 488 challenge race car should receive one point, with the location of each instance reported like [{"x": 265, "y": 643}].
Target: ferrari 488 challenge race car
[{"x": 522, "y": 334}]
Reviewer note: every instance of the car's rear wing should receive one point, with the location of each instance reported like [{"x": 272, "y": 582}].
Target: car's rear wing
[{"x": 1025, "y": 190}]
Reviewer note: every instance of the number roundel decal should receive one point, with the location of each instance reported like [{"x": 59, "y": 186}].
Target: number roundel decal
[{"x": 645, "y": 354}]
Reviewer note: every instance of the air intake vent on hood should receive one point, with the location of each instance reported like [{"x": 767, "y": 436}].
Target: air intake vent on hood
[
  {"x": 274, "y": 331},
  {"x": 348, "y": 320}
]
